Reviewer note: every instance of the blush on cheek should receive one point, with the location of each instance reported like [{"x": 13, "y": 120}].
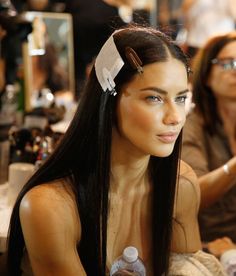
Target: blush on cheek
[{"x": 140, "y": 117}]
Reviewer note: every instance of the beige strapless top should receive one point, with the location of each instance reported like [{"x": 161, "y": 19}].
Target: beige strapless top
[{"x": 195, "y": 264}]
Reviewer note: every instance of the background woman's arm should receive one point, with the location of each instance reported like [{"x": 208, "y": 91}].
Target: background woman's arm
[
  {"x": 216, "y": 183},
  {"x": 195, "y": 151}
]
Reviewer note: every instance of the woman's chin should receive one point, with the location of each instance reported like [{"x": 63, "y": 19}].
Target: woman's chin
[{"x": 164, "y": 152}]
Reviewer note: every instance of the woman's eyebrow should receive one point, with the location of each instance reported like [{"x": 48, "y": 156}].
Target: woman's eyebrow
[{"x": 161, "y": 91}]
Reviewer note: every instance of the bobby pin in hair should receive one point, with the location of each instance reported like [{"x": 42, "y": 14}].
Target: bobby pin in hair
[
  {"x": 189, "y": 70},
  {"x": 134, "y": 59}
]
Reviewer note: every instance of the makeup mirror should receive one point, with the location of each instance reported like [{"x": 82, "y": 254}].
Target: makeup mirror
[{"x": 48, "y": 57}]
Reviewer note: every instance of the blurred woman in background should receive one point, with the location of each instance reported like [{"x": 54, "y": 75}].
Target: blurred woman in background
[{"x": 209, "y": 140}]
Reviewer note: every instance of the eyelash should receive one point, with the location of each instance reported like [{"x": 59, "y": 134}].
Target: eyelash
[
  {"x": 154, "y": 99},
  {"x": 180, "y": 99}
]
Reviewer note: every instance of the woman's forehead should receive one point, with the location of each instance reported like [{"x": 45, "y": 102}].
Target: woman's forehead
[
  {"x": 229, "y": 50},
  {"x": 169, "y": 76},
  {"x": 169, "y": 70}
]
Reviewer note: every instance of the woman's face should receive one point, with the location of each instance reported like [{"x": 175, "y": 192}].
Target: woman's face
[
  {"x": 151, "y": 109},
  {"x": 222, "y": 81}
]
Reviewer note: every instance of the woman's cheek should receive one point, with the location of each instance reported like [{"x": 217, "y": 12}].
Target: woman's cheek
[{"x": 143, "y": 117}]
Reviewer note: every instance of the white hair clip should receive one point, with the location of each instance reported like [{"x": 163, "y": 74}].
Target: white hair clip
[
  {"x": 107, "y": 65},
  {"x": 108, "y": 81}
]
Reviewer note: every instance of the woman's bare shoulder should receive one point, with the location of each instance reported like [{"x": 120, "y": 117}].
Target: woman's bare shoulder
[
  {"x": 186, "y": 236},
  {"x": 51, "y": 227},
  {"x": 57, "y": 193},
  {"x": 188, "y": 192},
  {"x": 50, "y": 203},
  {"x": 188, "y": 176},
  {"x": 58, "y": 188}
]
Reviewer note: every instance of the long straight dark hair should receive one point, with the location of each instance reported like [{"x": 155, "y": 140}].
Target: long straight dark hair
[{"x": 83, "y": 160}]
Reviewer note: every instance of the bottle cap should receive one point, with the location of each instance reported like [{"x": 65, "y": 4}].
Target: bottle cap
[
  {"x": 228, "y": 257},
  {"x": 130, "y": 254}
]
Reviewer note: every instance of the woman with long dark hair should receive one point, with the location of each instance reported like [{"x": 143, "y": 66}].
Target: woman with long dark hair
[
  {"x": 112, "y": 180},
  {"x": 209, "y": 140}
]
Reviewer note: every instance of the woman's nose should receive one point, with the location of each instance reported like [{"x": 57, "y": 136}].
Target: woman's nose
[{"x": 172, "y": 115}]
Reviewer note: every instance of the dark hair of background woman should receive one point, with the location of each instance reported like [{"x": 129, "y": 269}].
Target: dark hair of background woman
[
  {"x": 57, "y": 78},
  {"x": 203, "y": 96},
  {"x": 83, "y": 160}
]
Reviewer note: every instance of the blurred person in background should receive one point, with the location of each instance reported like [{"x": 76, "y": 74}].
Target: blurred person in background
[
  {"x": 204, "y": 19},
  {"x": 209, "y": 140},
  {"x": 170, "y": 15}
]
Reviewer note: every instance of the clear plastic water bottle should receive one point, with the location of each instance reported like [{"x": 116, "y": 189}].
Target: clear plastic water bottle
[
  {"x": 228, "y": 261},
  {"x": 128, "y": 262}
]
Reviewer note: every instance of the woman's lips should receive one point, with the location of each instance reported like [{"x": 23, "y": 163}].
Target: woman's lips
[{"x": 167, "y": 137}]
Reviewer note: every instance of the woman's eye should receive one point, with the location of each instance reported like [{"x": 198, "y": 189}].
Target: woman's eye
[
  {"x": 154, "y": 99},
  {"x": 181, "y": 99}
]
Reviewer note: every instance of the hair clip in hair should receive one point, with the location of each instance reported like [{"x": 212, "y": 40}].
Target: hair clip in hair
[
  {"x": 113, "y": 92},
  {"x": 189, "y": 70},
  {"x": 109, "y": 82},
  {"x": 134, "y": 59},
  {"x": 140, "y": 69},
  {"x": 107, "y": 65}
]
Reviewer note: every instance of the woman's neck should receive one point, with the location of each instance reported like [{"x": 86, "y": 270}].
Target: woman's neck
[
  {"x": 129, "y": 167},
  {"x": 227, "y": 110}
]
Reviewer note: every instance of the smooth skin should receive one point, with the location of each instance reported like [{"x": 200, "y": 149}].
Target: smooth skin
[{"x": 150, "y": 115}]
